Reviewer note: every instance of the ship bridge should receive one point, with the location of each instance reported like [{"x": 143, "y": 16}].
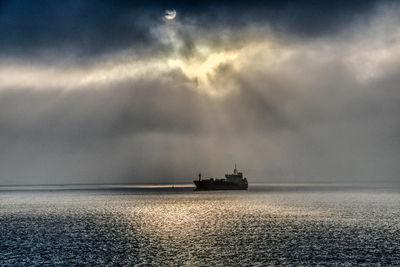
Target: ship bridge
[{"x": 235, "y": 177}]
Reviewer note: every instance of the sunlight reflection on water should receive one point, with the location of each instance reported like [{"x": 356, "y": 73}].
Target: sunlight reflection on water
[{"x": 199, "y": 228}]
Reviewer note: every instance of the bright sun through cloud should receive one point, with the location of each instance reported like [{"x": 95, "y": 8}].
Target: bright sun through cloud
[{"x": 203, "y": 67}]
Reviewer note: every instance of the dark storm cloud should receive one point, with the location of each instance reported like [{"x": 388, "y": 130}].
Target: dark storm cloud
[
  {"x": 47, "y": 28},
  {"x": 85, "y": 28}
]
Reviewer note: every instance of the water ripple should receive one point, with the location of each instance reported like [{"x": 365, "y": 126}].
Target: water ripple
[{"x": 199, "y": 228}]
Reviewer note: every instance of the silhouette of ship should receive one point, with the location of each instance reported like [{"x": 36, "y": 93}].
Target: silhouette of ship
[{"x": 234, "y": 181}]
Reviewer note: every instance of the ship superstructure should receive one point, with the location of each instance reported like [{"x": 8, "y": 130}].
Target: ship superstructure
[{"x": 234, "y": 181}]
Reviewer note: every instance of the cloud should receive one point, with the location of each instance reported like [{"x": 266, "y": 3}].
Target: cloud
[{"x": 284, "y": 103}]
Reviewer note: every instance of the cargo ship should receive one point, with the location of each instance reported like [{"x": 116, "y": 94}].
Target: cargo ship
[{"x": 234, "y": 181}]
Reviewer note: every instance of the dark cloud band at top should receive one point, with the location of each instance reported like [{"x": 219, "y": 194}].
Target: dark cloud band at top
[{"x": 88, "y": 28}]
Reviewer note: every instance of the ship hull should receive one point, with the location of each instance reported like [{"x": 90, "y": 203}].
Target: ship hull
[{"x": 221, "y": 186}]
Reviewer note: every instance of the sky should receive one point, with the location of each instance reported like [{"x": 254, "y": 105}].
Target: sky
[{"x": 118, "y": 92}]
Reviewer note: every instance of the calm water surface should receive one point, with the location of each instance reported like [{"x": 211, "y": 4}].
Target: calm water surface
[{"x": 269, "y": 225}]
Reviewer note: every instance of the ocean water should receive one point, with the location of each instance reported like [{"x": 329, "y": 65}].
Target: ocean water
[{"x": 266, "y": 225}]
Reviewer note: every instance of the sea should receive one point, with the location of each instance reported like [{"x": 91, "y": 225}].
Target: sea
[{"x": 172, "y": 225}]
